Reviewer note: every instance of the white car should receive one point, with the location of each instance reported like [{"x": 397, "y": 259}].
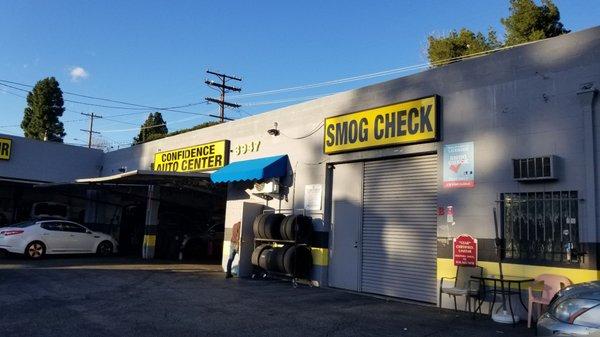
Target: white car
[{"x": 38, "y": 238}]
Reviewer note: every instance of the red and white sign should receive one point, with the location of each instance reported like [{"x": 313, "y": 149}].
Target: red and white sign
[{"x": 464, "y": 250}]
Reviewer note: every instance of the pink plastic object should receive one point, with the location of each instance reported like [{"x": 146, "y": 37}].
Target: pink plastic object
[{"x": 551, "y": 285}]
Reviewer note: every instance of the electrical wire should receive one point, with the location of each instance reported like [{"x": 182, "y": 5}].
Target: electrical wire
[
  {"x": 377, "y": 74},
  {"x": 287, "y": 100},
  {"x": 150, "y": 127},
  {"x": 273, "y": 91},
  {"x": 310, "y": 133},
  {"x": 145, "y": 109},
  {"x": 135, "y": 106},
  {"x": 110, "y": 100}
]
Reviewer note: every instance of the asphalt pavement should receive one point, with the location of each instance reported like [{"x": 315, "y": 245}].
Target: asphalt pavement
[{"x": 89, "y": 296}]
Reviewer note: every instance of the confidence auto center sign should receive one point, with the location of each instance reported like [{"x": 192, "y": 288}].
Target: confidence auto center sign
[
  {"x": 408, "y": 122},
  {"x": 203, "y": 157}
]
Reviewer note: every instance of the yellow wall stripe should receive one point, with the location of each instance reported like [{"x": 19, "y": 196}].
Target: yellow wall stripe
[
  {"x": 446, "y": 268},
  {"x": 150, "y": 240},
  {"x": 320, "y": 256}
]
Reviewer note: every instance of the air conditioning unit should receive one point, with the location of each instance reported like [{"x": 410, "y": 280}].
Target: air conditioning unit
[
  {"x": 535, "y": 169},
  {"x": 266, "y": 187}
]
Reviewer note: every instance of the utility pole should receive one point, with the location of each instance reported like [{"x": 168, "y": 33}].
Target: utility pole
[
  {"x": 91, "y": 130},
  {"x": 223, "y": 88}
]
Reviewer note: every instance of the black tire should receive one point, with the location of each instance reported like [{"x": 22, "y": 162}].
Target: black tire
[
  {"x": 272, "y": 224},
  {"x": 35, "y": 250},
  {"x": 105, "y": 248},
  {"x": 296, "y": 227},
  {"x": 280, "y": 258},
  {"x": 283, "y": 229},
  {"x": 297, "y": 261},
  {"x": 257, "y": 252},
  {"x": 305, "y": 229},
  {"x": 272, "y": 260},
  {"x": 263, "y": 259},
  {"x": 257, "y": 224}
]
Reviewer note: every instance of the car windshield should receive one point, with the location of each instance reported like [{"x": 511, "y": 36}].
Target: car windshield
[{"x": 23, "y": 224}]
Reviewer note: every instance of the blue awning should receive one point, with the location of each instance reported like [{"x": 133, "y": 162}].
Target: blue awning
[{"x": 255, "y": 169}]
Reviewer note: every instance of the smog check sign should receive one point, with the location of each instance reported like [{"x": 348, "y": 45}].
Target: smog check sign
[
  {"x": 203, "y": 157},
  {"x": 464, "y": 250},
  {"x": 409, "y": 122},
  {"x": 5, "y": 147}
]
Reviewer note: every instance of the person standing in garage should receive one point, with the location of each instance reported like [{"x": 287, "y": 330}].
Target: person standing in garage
[{"x": 233, "y": 247}]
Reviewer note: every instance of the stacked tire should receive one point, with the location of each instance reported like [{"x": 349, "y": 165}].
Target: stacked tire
[
  {"x": 267, "y": 226},
  {"x": 297, "y": 228},
  {"x": 293, "y": 260},
  {"x": 276, "y": 226},
  {"x": 287, "y": 253}
]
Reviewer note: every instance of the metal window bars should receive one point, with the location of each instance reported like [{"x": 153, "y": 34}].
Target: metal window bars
[{"x": 541, "y": 226}]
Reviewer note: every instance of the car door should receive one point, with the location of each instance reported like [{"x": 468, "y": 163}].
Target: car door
[
  {"x": 53, "y": 237},
  {"x": 78, "y": 240}
]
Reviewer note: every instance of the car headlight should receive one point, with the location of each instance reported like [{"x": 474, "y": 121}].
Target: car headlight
[{"x": 568, "y": 310}]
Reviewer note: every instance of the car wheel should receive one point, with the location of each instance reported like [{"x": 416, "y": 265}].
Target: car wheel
[
  {"x": 35, "y": 250},
  {"x": 105, "y": 248}
]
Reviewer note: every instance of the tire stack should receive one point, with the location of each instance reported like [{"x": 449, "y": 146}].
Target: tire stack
[{"x": 287, "y": 253}]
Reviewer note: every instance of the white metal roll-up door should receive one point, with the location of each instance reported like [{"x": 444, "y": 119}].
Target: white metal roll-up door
[{"x": 399, "y": 229}]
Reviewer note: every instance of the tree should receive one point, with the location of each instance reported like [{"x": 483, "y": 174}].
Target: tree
[
  {"x": 153, "y": 128},
  {"x": 526, "y": 22},
  {"x": 457, "y": 44},
  {"x": 44, "y": 107},
  {"x": 529, "y": 22}
]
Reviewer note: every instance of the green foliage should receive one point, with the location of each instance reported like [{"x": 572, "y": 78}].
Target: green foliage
[
  {"x": 529, "y": 22},
  {"x": 526, "y": 22},
  {"x": 44, "y": 107},
  {"x": 459, "y": 43},
  {"x": 153, "y": 128}
]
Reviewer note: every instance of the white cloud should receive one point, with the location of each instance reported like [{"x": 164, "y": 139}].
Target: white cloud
[{"x": 78, "y": 73}]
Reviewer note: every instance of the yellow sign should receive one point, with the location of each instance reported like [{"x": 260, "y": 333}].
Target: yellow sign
[
  {"x": 203, "y": 157},
  {"x": 5, "y": 146},
  {"x": 408, "y": 122}
]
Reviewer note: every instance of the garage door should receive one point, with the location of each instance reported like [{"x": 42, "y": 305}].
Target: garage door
[{"x": 399, "y": 230}]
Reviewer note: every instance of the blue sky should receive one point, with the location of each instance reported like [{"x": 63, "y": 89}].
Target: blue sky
[{"x": 155, "y": 53}]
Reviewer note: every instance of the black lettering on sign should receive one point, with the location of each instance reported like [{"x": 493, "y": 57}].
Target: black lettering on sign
[
  {"x": 363, "y": 130},
  {"x": 377, "y": 132},
  {"x": 353, "y": 131},
  {"x": 425, "y": 121},
  {"x": 413, "y": 126},
  {"x": 4, "y": 149},
  {"x": 341, "y": 133},
  {"x": 330, "y": 136},
  {"x": 401, "y": 130},
  {"x": 390, "y": 125}
]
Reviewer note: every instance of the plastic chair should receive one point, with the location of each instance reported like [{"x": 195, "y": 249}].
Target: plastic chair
[
  {"x": 464, "y": 285},
  {"x": 548, "y": 285}
]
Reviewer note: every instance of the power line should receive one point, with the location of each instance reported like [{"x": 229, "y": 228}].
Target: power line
[
  {"x": 379, "y": 73},
  {"x": 224, "y": 89},
  {"x": 149, "y": 127},
  {"x": 134, "y": 106},
  {"x": 91, "y": 129},
  {"x": 145, "y": 109},
  {"x": 111, "y": 100}
]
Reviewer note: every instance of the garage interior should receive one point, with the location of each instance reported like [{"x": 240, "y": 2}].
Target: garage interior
[{"x": 188, "y": 222}]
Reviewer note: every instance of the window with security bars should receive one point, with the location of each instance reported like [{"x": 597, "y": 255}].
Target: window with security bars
[{"x": 540, "y": 226}]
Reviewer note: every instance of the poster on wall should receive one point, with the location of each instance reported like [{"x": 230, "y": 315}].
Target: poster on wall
[
  {"x": 464, "y": 250},
  {"x": 459, "y": 165},
  {"x": 312, "y": 197}
]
